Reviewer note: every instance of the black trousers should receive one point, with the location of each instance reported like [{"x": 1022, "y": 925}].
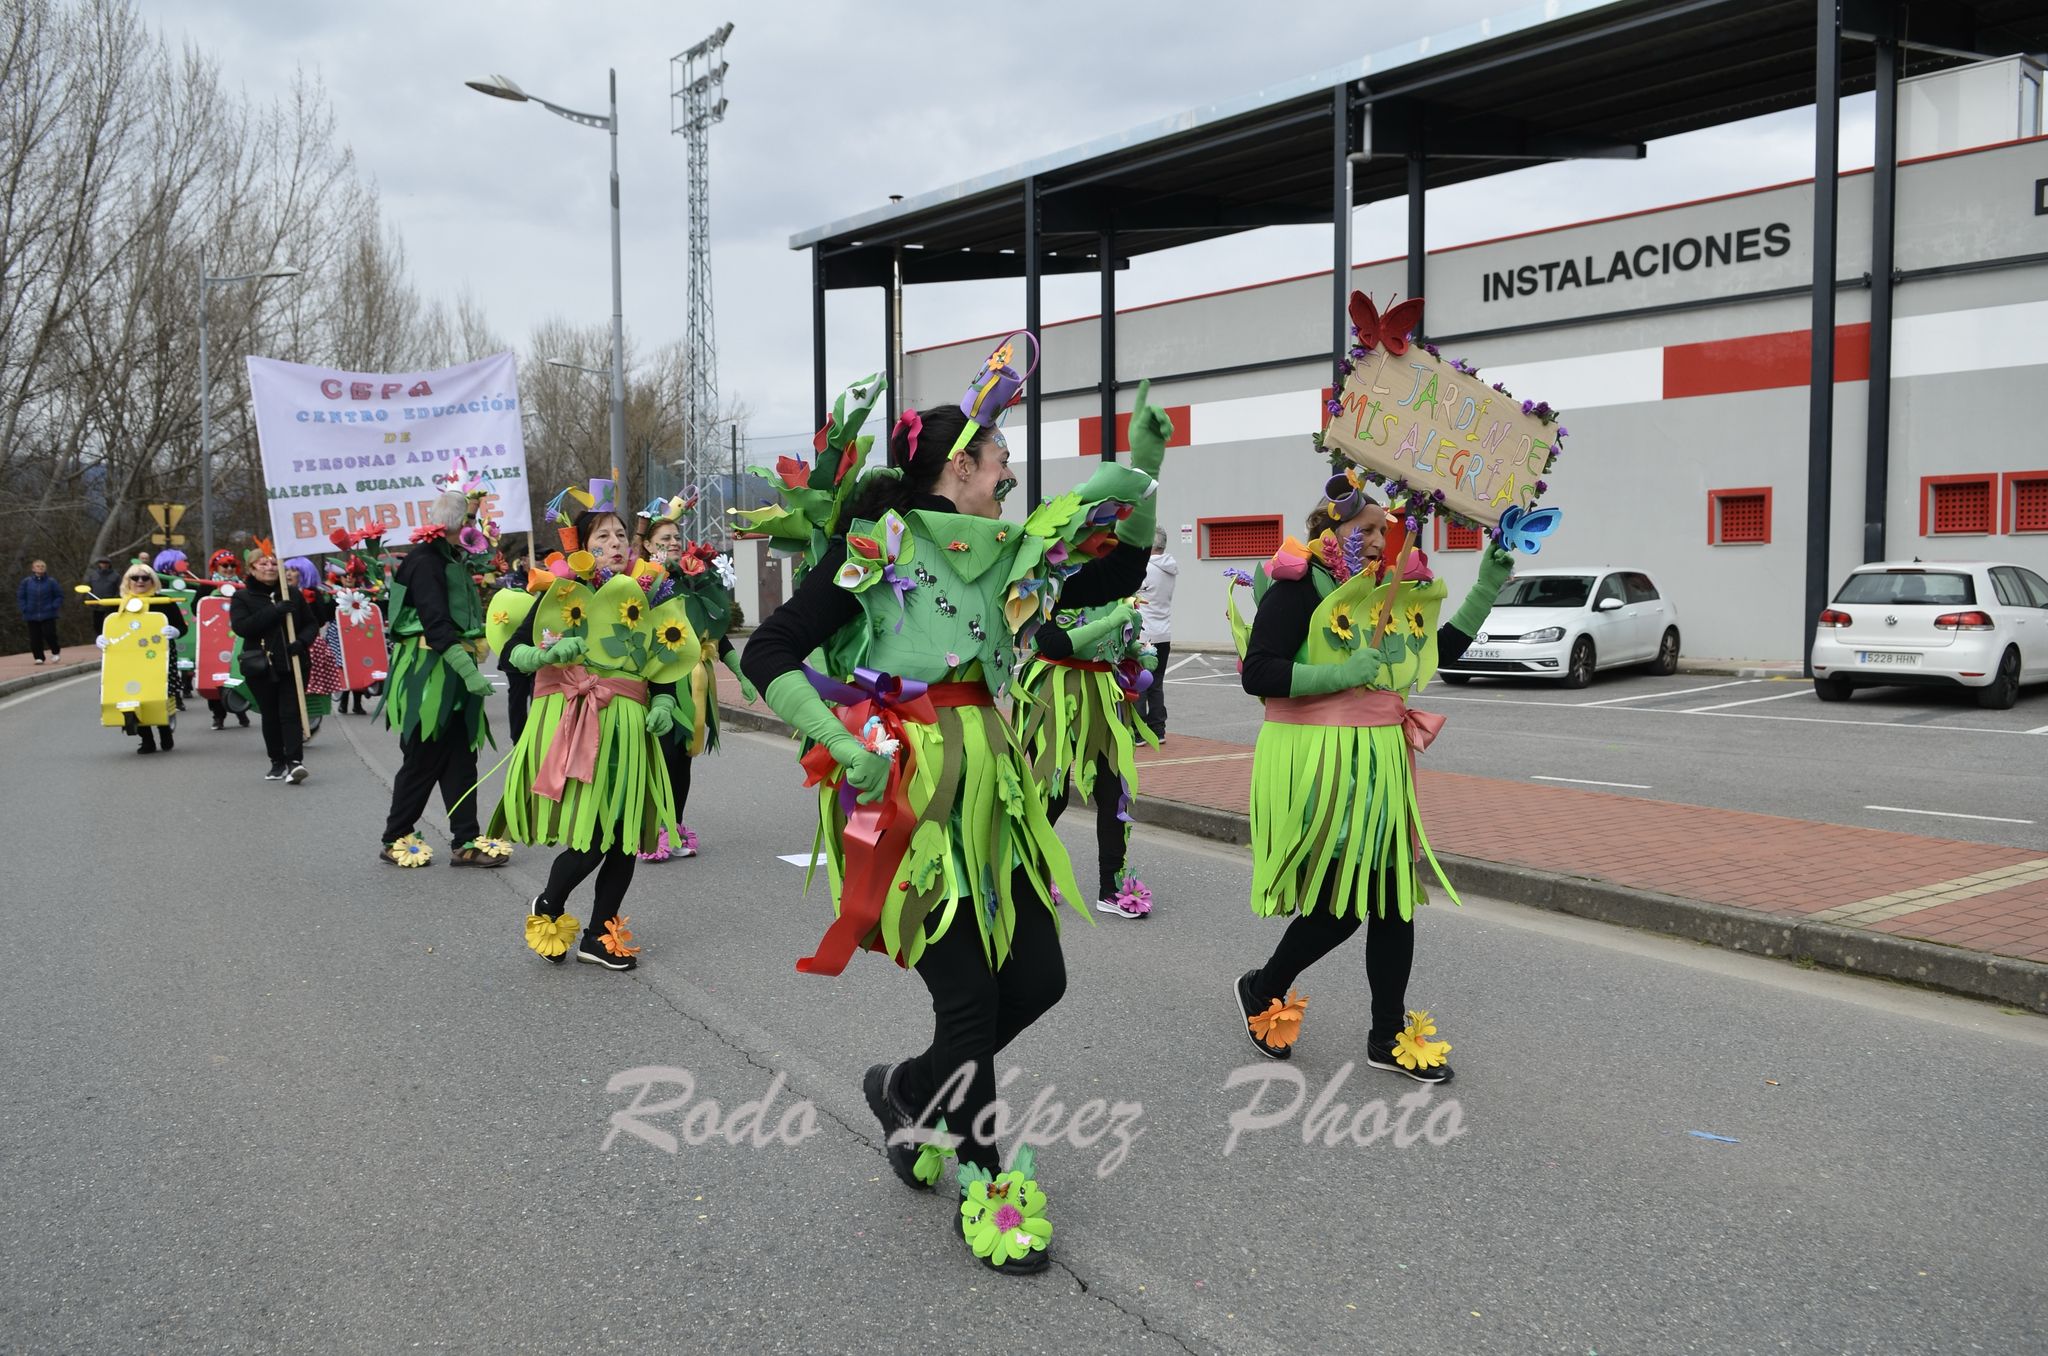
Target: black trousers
[
  {"x": 447, "y": 762},
  {"x": 42, "y": 635},
  {"x": 573, "y": 866},
  {"x": 1389, "y": 956},
  {"x": 283, "y": 736},
  {"x": 976, "y": 1013},
  {"x": 518, "y": 696},
  {"x": 1152, "y": 703},
  {"x": 1112, "y": 835}
]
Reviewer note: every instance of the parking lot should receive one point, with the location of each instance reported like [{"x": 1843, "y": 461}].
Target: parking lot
[{"x": 1908, "y": 760}]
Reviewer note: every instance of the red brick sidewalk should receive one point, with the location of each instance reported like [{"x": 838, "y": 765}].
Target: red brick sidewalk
[
  {"x": 1968, "y": 895},
  {"x": 13, "y": 666}
]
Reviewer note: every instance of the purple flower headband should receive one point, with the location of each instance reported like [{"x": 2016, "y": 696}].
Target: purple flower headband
[{"x": 994, "y": 389}]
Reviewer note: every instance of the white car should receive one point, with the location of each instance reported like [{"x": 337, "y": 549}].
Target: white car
[
  {"x": 1566, "y": 623},
  {"x": 1974, "y": 624}
]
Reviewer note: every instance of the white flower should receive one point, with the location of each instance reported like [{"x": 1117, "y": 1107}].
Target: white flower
[
  {"x": 727, "y": 575},
  {"x": 353, "y": 606}
]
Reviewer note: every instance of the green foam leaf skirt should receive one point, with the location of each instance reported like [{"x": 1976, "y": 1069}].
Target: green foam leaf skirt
[
  {"x": 1336, "y": 803},
  {"x": 1066, "y": 719},
  {"x": 424, "y": 696},
  {"x": 626, "y": 806},
  {"x": 981, "y": 833}
]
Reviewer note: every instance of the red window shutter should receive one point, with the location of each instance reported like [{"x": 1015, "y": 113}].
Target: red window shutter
[
  {"x": 1744, "y": 519},
  {"x": 1240, "y": 538},
  {"x": 1458, "y": 537},
  {"x": 2030, "y": 504},
  {"x": 1960, "y": 507}
]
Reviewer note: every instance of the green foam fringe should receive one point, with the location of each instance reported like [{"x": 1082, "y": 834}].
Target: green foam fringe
[
  {"x": 423, "y": 696},
  {"x": 627, "y": 805}
]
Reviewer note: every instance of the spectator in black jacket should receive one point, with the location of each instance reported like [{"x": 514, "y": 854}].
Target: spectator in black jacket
[{"x": 277, "y": 630}]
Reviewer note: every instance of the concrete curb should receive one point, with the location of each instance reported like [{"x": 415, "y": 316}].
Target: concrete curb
[
  {"x": 1972, "y": 974},
  {"x": 43, "y": 679}
]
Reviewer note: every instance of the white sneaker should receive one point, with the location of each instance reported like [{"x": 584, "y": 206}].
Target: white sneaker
[
  {"x": 1111, "y": 906},
  {"x": 296, "y": 773}
]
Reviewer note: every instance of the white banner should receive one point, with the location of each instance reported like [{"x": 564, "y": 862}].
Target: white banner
[{"x": 350, "y": 449}]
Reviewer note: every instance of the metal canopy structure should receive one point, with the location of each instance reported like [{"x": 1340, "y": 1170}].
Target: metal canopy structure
[{"x": 1574, "y": 79}]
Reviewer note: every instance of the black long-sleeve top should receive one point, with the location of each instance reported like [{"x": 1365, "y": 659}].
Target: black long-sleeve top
[
  {"x": 257, "y": 616},
  {"x": 1282, "y": 625},
  {"x": 819, "y": 607},
  {"x": 424, "y": 575}
]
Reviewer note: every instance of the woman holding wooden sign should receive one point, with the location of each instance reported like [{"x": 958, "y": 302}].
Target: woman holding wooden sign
[{"x": 1336, "y": 829}]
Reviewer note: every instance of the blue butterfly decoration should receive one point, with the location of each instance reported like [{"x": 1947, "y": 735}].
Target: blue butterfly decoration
[{"x": 1523, "y": 530}]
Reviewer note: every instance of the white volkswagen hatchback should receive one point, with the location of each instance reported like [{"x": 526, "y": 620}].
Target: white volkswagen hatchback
[
  {"x": 1565, "y": 623},
  {"x": 1974, "y": 624}
]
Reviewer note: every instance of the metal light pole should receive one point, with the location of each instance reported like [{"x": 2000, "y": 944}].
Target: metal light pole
[
  {"x": 503, "y": 87},
  {"x": 206, "y": 285}
]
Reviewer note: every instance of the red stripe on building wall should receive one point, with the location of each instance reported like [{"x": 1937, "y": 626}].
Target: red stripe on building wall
[
  {"x": 1761, "y": 362},
  {"x": 1091, "y": 430}
]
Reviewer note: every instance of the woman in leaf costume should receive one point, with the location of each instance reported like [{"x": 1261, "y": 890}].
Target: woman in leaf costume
[
  {"x": 702, "y": 577},
  {"x": 587, "y": 774},
  {"x": 1075, "y": 716},
  {"x": 1336, "y": 829},
  {"x": 934, "y": 832}
]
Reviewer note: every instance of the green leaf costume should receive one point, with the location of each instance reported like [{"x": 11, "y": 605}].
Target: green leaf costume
[
  {"x": 1070, "y": 713},
  {"x": 423, "y": 695}
]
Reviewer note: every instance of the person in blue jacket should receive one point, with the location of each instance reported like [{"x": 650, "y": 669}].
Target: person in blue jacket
[{"x": 41, "y": 600}]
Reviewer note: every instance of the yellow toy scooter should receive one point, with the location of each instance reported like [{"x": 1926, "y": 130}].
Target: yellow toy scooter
[{"x": 135, "y": 666}]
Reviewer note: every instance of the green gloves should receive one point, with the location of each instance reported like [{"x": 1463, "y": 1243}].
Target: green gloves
[
  {"x": 1086, "y": 638},
  {"x": 567, "y": 650},
  {"x": 794, "y": 699},
  {"x": 1315, "y": 680},
  {"x": 661, "y": 715},
  {"x": 732, "y": 666},
  {"x": 1494, "y": 570},
  {"x": 1150, "y": 429},
  {"x": 525, "y": 658},
  {"x": 465, "y": 669}
]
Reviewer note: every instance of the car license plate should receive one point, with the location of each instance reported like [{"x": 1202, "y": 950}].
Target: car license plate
[
  {"x": 1482, "y": 652},
  {"x": 1896, "y": 658}
]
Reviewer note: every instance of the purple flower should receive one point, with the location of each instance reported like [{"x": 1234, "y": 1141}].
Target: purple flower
[
  {"x": 1561, "y": 431},
  {"x": 1528, "y": 407},
  {"x": 1437, "y": 495},
  {"x": 1432, "y": 350},
  {"x": 1334, "y": 405},
  {"x": 1410, "y": 523},
  {"x": 1542, "y": 485},
  {"x": 1502, "y": 389},
  {"x": 473, "y": 541},
  {"x": 1358, "y": 354},
  {"x": 1237, "y": 576}
]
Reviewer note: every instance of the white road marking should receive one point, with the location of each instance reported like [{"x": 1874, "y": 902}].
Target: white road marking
[
  {"x": 1581, "y": 781},
  {"x": 2043, "y": 729},
  {"x": 800, "y": 859},
  {"x": 1748, "y": 701},
  {"x": 1948, "y": 814},
  {"x": 1682, "y": 692},
  {"x": 1178, "y": 662},
  {"x": 1718, "y": 714}
]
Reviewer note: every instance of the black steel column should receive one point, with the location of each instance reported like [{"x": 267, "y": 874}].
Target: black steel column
[
  {"x": 889, "y": 373},
  {"x": 1106, "y": 243},
  {"x": 1820, "y": 421},
  {"x": 818, "y": 336},
  {"x": 1340, "y": 231},
  {"x": 1033, "y": 406},
  {"x": 1883, "y": 185},
  {"x": 1418, "y": 197}
]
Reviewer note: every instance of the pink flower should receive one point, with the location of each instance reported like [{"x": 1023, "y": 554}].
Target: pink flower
[{"x": 1008, "y": 1218}]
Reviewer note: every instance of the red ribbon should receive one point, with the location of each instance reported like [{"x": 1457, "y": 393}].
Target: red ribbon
[
  {"x": 877, "y": 835},
  {"x": 573, "y": 754}
]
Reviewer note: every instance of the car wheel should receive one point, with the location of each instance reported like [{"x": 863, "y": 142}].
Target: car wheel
[
  {"x": 1832, "y": 689},
  {"x": 1581, "y": 671},
  {"x": 1456, "y": 679},
  {"x": 1667, "y": 653},
  {"x": 2004, "y": 689}
]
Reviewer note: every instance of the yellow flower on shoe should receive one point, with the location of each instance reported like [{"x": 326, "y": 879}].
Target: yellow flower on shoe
[
  {"x": 1413, "y": 1048},
  {"x": 550, "y": 937},
  {"x": 410, "y": 850}
]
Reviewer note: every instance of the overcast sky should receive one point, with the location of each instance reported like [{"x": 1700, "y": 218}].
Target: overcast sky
[{"x": 834, "y": 107}]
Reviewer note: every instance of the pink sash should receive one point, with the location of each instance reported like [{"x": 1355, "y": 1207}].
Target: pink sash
[
  {"x": 574, "y": 751},
  {"x": 1358, "y": 706}
]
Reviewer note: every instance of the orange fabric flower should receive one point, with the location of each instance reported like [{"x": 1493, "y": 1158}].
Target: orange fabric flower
[
  {"x": 1280, "y": 1024},
  {"x": 616, "y": 938}
]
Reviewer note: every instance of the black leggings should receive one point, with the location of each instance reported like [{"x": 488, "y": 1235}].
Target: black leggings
[
  {"x": 573, "y": 866},
  {"x": 675, "y": 751},
  {"x": 1112, "y": 835},
  {"x": 1389, "y": 956},
  {"x": 976, "y": 1013}
]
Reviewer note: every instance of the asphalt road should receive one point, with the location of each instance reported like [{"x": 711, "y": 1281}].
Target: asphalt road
[
  {"x": 1898, "y": 759},
  {"x": 261, "y": 1093}
]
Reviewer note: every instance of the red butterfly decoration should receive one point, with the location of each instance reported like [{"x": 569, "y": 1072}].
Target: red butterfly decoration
[{"x": 1389, "y": 331}]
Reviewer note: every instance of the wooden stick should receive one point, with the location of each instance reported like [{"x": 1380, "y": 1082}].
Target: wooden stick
[{"x": 1400, "y": 568}]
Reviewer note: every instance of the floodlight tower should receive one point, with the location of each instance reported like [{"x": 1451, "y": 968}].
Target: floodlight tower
[{"x": 696, "y": 101}]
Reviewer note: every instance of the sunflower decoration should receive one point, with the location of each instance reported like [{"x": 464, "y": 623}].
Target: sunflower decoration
[
  {"x": 1003, "y": 1218},
  {"x": 1280, "y": 1024},
  {"x": 1413, "y": 1048},
  {"x": 672, "y": 634},
  {"x": 1343, "y": 628},
  {"x": 492, "y": 847},
  {"x": 617, "y": 938},
  {"x": 633, "y": 611},
  {"x": 572, "y": 612},
  {"x": 550, "y": 937},
  {"x": 1417, "y": 623},
  {"x": 410, "y": 850}
]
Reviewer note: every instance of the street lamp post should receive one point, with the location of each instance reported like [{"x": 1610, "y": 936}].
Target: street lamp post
[
  {"x": 503, "y": 87},
  {"x": 206, "y": 286}
]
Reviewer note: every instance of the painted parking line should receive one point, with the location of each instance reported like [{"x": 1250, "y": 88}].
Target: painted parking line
[
  {"x": 1748, "y": 701},
  {"x": 1719, "y": 714},
  {"x": 800, "y": 859},
  {"x": 1581, "y": 781},
  {"x": 2042, "y": 729},
  {"x": 1682, "y": 692},
  {"x": 1179, "y": 662},
  {"x": 1947, "y": 814}
]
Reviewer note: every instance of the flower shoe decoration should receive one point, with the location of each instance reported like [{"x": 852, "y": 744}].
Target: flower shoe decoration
[
  {"x": 686, "y": 846},
  {"x": 1002, "y": 1217},
  {"x": 410, "y": 850},
  {"x": 1133, "y": 898},
  {"x": 550, "y": 937},
  {"x": 932, "y": 1155},
  {"x": 1280, "y": 1024},
  {"x": 617, "y": 938},
  {"x": 1413, "y": 1048},
  {"x": 661, "y": 852}
]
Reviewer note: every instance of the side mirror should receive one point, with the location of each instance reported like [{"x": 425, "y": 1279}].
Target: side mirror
[
  {"x": 1608, "y": 605},
  {"x": 80, "y": 588}
]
